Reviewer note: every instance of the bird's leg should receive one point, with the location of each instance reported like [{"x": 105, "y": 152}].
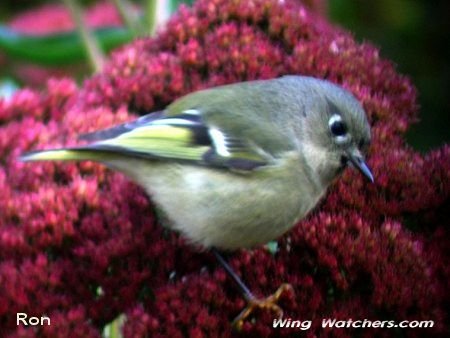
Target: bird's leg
[{"x": 253, "y": 302}]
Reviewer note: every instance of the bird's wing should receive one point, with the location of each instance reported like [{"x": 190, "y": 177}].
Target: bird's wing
[
  {"x": 187, "y": 136},
  {"x": 207, "y": 136},
  {"x": 212, "y": 127},
  {"x": 117, "y": 130}
]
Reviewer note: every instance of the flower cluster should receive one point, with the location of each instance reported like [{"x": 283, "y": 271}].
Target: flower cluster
[
  {"x": 52, "y": 18},
  {"x": 82, "y": 244}
]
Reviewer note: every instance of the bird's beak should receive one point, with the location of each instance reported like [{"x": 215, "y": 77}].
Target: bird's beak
[{"x": 358, "y": 162}]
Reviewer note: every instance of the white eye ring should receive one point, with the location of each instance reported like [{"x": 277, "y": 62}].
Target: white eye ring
[
  {"x": 341, "y": 139},
  {"x": 334, "y": 118}
]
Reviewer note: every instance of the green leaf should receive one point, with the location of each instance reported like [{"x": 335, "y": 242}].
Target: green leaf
[
  {"x": 272, "y": 247},
  {"x": 113, "y": 329},
  {"x": 60, "y": 48}
]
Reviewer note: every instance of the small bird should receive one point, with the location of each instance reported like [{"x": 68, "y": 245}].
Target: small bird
[{"x": 236, "y": 166}]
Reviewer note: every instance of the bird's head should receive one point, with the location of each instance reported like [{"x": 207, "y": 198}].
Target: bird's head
[{"x": 338, "y": 132}]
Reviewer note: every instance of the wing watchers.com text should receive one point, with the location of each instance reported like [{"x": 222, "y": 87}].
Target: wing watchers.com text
[{"x": 352, "y": 323}]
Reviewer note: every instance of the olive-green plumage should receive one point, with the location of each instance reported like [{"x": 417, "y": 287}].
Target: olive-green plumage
[{"x": 238, "y": 165}]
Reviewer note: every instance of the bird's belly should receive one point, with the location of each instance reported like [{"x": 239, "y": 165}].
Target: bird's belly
[{"x": 207, "y": 209}]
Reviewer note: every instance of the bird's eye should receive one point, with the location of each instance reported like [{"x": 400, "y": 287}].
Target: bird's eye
[{"x": 337, "y": 126}]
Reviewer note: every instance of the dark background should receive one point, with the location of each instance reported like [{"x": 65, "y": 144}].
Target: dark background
[{"x": 415, "y": 35}]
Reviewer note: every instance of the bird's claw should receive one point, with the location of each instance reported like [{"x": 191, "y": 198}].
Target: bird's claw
[{"x": 268, "y": 303}]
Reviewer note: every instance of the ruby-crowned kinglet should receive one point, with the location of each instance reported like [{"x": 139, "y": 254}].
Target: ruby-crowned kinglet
[{"x": 236, "y": 166}]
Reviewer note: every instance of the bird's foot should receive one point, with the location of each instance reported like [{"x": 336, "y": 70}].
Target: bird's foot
[{"x": 268, "y": 303}]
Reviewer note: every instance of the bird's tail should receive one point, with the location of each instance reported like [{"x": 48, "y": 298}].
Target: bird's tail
[{"x": 67, "y": 154}]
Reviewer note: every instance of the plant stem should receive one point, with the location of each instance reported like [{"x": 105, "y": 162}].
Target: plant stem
[
  {"x": 151, "y": 7},
  {"x": 130, "y": 20},
  {"x": 94, "y": 53}
]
